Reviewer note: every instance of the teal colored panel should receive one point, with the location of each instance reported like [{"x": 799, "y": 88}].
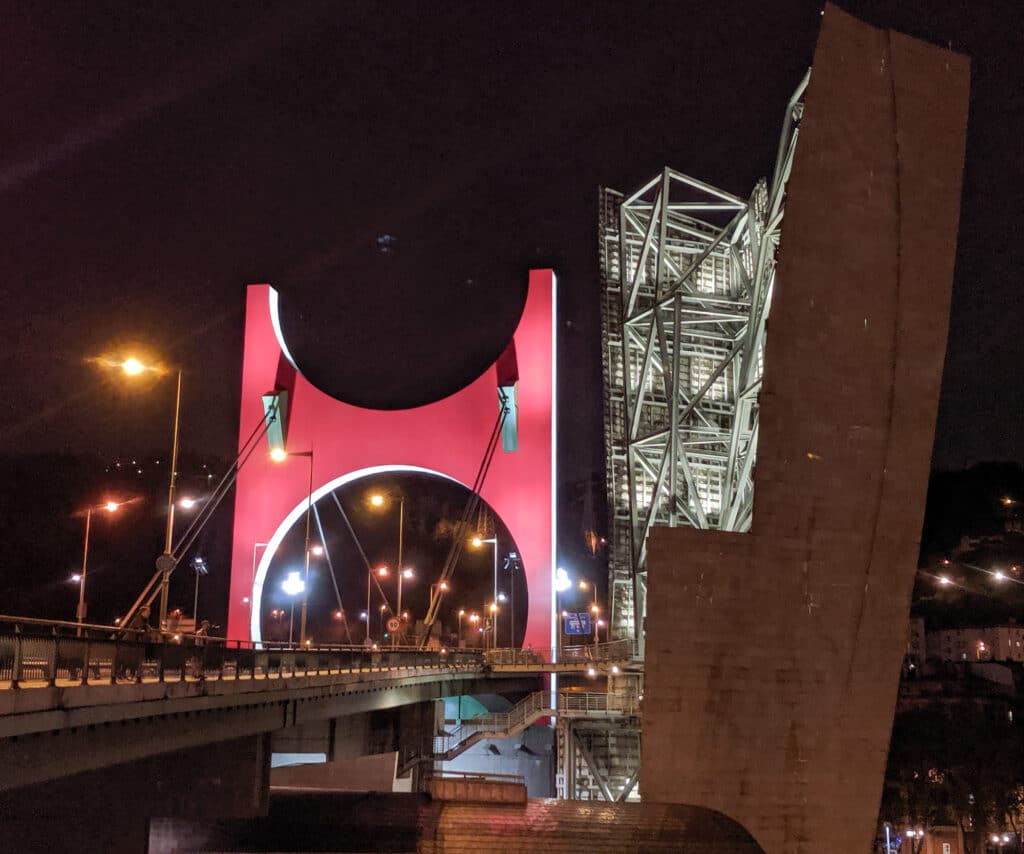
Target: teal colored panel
[{"x": 510, "y": 429}]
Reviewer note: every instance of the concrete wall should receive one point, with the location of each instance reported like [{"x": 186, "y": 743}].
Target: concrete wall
[
  {"x": 773, "y": 657},
  {"x": 110, "y": 810}
]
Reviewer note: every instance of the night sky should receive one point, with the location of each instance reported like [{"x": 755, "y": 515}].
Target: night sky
[{"x": 157, "y": 157}]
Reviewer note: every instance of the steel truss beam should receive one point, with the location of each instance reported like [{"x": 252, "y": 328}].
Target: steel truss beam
[{"x": 687, "y": 273}]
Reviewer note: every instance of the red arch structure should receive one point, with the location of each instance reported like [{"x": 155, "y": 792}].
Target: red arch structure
[{"x": 447, "y": 438}]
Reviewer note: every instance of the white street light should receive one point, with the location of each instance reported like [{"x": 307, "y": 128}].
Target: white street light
[{"x": 293, "y": 585}]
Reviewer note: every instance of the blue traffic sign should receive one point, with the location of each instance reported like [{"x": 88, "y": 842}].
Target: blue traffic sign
[{"x": 577, "y": 624}]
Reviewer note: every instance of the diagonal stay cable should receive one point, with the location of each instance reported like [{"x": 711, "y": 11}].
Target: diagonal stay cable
[
  {"x": 359, "y": 545},
  {"x": 472, "y": 503},
  {"x": 330, "y": 567}
]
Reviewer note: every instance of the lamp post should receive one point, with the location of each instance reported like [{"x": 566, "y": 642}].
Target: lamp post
[
  {"x": 477, "y": 543},
  {"x": 474, "y": 618},
  {"x": 293, "y": 585},
  {"x": 279, "y": 456},
  {"x": 493, "y": 622},
  {"x": 378, "y": 500},
  {"x": 462, "y": 613},
  {"x": 383, "y": 608},
  {"x": 382, "y": 572},
  {"x": 133, "y": 367},
  {"x": 405, "y": 573},
  {"x": 199, "y": 568},
  {"x": 109, "y": 507},
  {"x": 510, "y": 563}
]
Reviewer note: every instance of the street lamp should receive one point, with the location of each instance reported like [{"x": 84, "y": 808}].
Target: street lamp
[
  {"x": 378, "y": 500},
  {"x": 293, "y": 585},
  {"x": 493, "y": 622},
  {"x": 279, "y": 455},
  {"x": 510, "y": 564},
  {"x": 133, "y": 367},
  {"x": 109, "y": 507},
  {"x": 199, "y": 568},
  {"x": 478, "y": 543},
  {"x": 382, "y": 572},
  {"x": 462, "y": 613},
  {"x": 474, "y": 618},
  {"x": 405, "y": 573}
]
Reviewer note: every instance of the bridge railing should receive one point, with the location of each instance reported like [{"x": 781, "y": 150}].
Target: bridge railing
[
  {"x": 30, "y": 660},
  {"x": 617, "y": 650}
]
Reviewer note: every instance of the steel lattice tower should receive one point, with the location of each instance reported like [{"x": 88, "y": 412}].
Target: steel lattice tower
[{"x": 687, "y": 274}]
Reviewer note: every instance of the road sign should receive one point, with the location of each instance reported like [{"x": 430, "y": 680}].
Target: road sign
[
  {"x": 577, "y": 624},
  {"x": 393, "y": 624}
]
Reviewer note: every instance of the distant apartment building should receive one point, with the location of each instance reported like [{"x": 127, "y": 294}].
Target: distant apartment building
[
  {"x": 981, "y": 643},
  {"x": 916, "y": 643}
]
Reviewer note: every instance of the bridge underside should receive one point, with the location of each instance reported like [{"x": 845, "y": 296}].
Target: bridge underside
[
  {"x": 66, "y": 735},
  {"x": 779, "y": 712}
]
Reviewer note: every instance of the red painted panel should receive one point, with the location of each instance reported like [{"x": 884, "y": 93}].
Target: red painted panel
[{"x": 448, "y": 437}]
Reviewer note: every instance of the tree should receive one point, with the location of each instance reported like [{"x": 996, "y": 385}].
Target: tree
[{"x": 956, "y": 762}]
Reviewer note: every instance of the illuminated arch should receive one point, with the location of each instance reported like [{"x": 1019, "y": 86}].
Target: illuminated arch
[
  {"x": 298, "y": 512},
  {"x": 446, "y": 438}
]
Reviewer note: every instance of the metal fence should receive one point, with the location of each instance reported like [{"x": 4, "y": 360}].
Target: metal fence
[
  {"x": 32, "y": 660},
  {"x": 617, "y": 650}
]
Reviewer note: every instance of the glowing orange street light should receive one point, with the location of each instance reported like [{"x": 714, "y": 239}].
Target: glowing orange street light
[
  {"x": 165, "y": 563},
  {"x": 378, "y": 500},
  {"x": 132, "y": 366},
  {"x": 279, "y": 455},
  {"x": 109, "y": 507},
  {"x": 382, "y": 571}
]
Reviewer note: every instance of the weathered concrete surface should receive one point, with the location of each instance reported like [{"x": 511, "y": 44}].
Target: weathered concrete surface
[
  {"x": 572, "y": 826},
  {"x": 773, "y": 657},
  {"x": 110, "y": 810},
  {"x": 319, "y": 821},
  {"x": 479, "y": 791}
]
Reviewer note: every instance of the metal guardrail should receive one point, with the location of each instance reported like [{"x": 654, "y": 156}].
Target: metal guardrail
[
  {"x": 532, "y": 707},
  {"x": 617, "y": 650},
  {"x": 474, "y": 776},
  {"x": 598, "y": 701},
  {"x": 35, "y": 660},
  {"x": 39, "y": 653}
]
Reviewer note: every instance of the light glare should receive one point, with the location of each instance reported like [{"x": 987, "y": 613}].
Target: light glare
[
  {"x": 132, "y": 366},
  {"x": 293, "y": 585}
]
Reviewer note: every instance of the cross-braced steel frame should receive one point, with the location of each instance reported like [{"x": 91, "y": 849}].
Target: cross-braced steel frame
[{"x": 687, "y": 273}]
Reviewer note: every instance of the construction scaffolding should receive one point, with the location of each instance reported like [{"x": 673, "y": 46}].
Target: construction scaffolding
[{"x": 687, "y": 272}]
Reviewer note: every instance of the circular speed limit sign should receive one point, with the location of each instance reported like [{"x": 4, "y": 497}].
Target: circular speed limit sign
[{"x": 393, "y": 624}]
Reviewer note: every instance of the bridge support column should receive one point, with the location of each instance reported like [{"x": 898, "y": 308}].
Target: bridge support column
[{"x": 111, "y": 809}]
